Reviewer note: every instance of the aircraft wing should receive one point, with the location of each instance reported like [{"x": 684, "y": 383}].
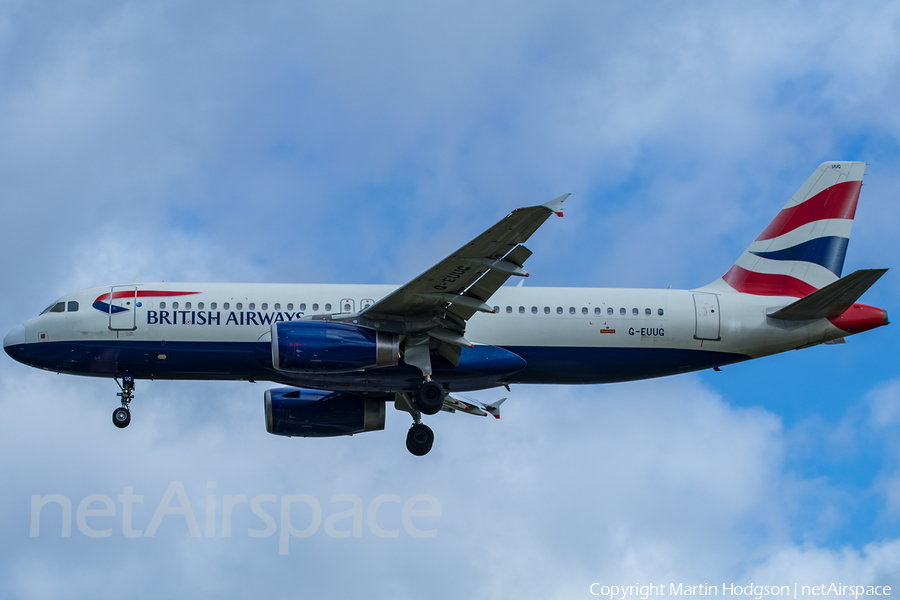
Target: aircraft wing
[{"x": 440, "y": 300}]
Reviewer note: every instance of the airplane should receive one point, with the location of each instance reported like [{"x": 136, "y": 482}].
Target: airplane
[{"x": 345, "y": 351}]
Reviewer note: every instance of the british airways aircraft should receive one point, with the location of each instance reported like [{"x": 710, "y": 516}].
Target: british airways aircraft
[{"x": 347, "y": 350}]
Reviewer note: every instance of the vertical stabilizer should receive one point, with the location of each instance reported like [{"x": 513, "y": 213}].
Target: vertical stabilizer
[{"x": 803, "y": 248}]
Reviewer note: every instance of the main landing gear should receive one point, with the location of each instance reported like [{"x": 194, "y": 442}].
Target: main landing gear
[
  {"x": 121, "y": 417},
  {"x": 427, "y": 400},
  {"x": 430, "y": 397},
  {"x": 419, "y": 439}
]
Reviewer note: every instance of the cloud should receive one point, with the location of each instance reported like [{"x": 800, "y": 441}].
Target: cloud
[{"x": 659, "y": 480}]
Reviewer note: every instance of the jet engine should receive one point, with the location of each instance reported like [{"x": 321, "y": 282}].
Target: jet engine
[
  {"x": 328, "y": 347},
  {"x": 321, "y": 413}
]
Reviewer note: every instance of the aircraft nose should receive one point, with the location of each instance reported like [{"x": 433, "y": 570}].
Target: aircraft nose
[{"x": 14, "y": 337}]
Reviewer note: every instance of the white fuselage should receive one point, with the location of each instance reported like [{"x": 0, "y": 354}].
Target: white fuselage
[{"x": 579, "y": 335}]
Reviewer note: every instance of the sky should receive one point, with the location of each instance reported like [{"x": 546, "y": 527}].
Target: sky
[{"x": 355, "y": 142}]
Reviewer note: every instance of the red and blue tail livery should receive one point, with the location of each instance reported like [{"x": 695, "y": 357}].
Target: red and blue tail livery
[
  {"x": 803, "y": 248},
  {"x": 345, "y": 352}
]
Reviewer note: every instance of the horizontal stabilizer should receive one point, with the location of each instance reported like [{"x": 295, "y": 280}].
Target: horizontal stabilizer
[{"x": 833, "y": 299}]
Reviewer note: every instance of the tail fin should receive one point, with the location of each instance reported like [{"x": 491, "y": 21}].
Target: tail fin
[{"x": 803, "y": 248}]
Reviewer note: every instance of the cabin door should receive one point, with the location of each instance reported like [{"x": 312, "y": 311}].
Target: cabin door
[
  {"x": 707, "y": 309},
  {"x": 122, "y": 308}
]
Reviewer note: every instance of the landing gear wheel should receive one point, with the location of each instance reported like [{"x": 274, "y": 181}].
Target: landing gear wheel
[
  {"x": 419, "y": 439},
  {"x": 121, "y": 417},
  {"x": 430, "y": 397}
]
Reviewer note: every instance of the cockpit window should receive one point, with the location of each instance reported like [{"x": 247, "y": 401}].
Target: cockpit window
[{"x": 60, "y": 307}]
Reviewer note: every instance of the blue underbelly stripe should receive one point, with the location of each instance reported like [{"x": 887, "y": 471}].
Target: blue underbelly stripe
[{"x": 252, "y": 360}]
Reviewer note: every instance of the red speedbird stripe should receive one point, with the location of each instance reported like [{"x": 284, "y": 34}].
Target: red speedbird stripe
[
  {"x": 766, "y": 284},
  {"x": 140, "y": 294},
  {"x": 835, "y": 202}
]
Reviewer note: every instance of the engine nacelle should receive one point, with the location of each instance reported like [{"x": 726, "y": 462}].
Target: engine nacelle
[
  {"x": 319, "y": 413},
  {"x": 328, "y": 347}
]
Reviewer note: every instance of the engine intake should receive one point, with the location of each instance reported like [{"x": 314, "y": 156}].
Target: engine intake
[
  {"x": 328, "y": 347},
  {"x": 319, "y": 413}
]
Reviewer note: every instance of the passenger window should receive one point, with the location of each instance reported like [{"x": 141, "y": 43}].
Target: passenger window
[
  {"x": 303, "y": 306},
  {"x": 609, "y": 310},
  {"x": 496, "y": 309},
  {"x": 277, "y": 306},
  {"x": 648, "y": 312},
  {"x": 226, "y": 306},
  {"x": 187, "y": 305},
  {"x": 534, "y": 310},
  {"x": 559, "y": 310},
  {"x": 622, "y": 311},
  {"x": 316, "y": 306},
  {"x": 347, "y": 307},
  {"x": 174, "y": 306},
  {"x": 509, "y": 309},
  {"x": 200, "y": 306},
  {"x": 660, "y": 311},
  {"x": 546, "y": 310},
  {"x": 73, "y": 306},
  {"x": 584, "y": 310},
  {"x": 252, "y": 306},
  {"x": 265, "y": 306},
  {"x": 162, "y": 304},
  {"x": 239, "y": 306},
  {"x": 328, "y": 308},
  {"x": 212, "y": 306},
  {"x": 290, "y": 306},
  {"x": 635, "y": 311},
  {"x": 597, "y": 311},
  {"x": 571, "y": 310},
  {"x": 521, "y": 310}
]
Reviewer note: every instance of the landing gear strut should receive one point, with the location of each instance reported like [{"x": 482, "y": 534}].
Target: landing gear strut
[{"x": 121, "y": 417}]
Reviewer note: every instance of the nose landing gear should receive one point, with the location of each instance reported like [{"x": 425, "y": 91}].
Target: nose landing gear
[{"x": 121, "y": 417}]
